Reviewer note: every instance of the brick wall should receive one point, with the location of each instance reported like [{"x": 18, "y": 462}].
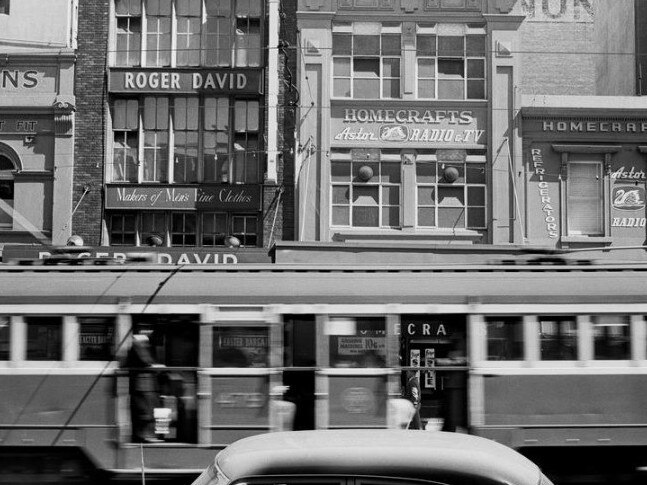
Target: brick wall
[{"x": 91, "y": 106}]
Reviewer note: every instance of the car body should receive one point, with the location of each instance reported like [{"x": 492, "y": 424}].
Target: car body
[{"x": 370, "y": 457}]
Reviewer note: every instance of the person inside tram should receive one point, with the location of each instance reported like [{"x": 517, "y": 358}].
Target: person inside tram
[
  {"x": 412, "y": 392},
  {"x": 143, "y": 389}
]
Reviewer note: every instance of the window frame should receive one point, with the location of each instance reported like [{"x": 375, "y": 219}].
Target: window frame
[
  {"x": 350, "y": 29},
  {"x": 244, "y": 50}
]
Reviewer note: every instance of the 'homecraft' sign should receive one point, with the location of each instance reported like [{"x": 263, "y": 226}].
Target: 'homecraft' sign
[{"x": 407, "y": 127}]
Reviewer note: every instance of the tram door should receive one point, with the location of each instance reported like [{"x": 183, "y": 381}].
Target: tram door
[
  {"x": 354, "y": 382},
  {"x": 240, "y": 381},
  {"x": 436, "y": 345}
]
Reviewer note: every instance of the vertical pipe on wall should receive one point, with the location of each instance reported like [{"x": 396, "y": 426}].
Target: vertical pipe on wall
[{"x": 272, "y": 90}]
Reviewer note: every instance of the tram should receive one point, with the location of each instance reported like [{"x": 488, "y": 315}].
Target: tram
[{"x": 547, "y": 359}]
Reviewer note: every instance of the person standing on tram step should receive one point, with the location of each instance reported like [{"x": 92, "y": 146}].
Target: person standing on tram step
[
  {"x": 412, "y": 392},
  {"x": 143, "y": 390}
]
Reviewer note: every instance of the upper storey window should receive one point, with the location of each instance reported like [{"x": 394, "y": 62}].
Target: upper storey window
[
  {"x": 450, "y": 61},
  {"x": 177, "y": 33},
  {"x": 367, "y": 60}
]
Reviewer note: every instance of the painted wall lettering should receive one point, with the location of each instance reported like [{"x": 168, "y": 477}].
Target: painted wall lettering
[
  {"x": 583, "y": 126},
  {"x": 542, "y": 186},
  {"x": 632, "y": 174},
  {"x": 629, "y": 222},
  {"x": 15, "y": 79},
  {"x": 557, "y": 10}
]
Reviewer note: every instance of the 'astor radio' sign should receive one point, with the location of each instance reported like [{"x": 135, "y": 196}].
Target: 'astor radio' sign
[{"x": 407, "y": 127}]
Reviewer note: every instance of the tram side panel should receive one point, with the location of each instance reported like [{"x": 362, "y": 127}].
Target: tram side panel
[{"x": 565, "y": 410}]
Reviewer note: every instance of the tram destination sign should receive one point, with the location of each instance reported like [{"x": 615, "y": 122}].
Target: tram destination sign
[
  {"x": 249, "y": 80},
  {"x": 223, "y": 197}
]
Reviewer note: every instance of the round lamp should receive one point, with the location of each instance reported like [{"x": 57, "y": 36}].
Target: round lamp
[
  {"x": 365, "y": 173},
  {"x": 450, "y": 174}
]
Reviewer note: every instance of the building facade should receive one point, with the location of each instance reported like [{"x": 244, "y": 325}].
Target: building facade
[{"x": 37, "y": 115}]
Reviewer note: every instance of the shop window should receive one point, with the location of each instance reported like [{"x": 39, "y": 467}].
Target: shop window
[
  {"x": 214, "y": 228},
  {"x": 153, "y": 229},
  {"x": 223, "y": 131},
  {"x": 7, "y": 170},
  {"x": 558, "y": 338},
  {"x": 5, "y": 342},
  {"x": 585, "y": 198},
  {"x": 451, "y": 190},
  {"x": 450, "y": 61},
  {"x": 44, "y": 338},
  {"x": 366, "y": 194},
  {"x": 125, "y": 166},
  {"x": 504, "y": 338},
  {"x": 129, "y": 32},
  {"x": 183, "y": 229},
  {"x": 245, "y": 228},
  {"x": 159, "y": 33},
  {"x": 241, "y": 347},
  {"x": 611, "y": 337},
  {"x": 122, "y": 229},
  {"x": 96, "y": 338},
  {"x": 166, "y": 228},
  {"x": 366, "y": 60},
  {"x": 4, "y": 7}
]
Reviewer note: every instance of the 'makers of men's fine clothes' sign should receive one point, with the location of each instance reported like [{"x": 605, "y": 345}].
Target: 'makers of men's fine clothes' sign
[
  {"x": 182, "y": 81},
  {"x": 223, "y": 197},
  {"x": 407, "y": 127}
]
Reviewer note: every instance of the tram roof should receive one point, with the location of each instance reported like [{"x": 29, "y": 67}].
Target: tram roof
[
  {"x": 298, "y": 284},
  {"x": 386, "y": 453}
]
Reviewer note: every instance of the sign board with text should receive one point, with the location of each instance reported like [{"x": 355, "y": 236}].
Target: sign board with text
[
  {"x": 216, "y": 197},
  {"x": 174, "y": 81},
  {"x": 407, "y": 127}
]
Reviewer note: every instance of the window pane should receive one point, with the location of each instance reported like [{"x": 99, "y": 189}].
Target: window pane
[
  {"x": 341, "y": 44},
  {"x": 426, "y": 216},
  {"x": 391, "y": 68},
  {"x": 475, "y": 89},
  {"x": 476, "y": 196},
  {"x": 451, "y": 217},
  {"x": 558, "y": 338},
  {"x": 475, "y": 68},
  {"x": 341, "y": 66},
  {"x": 475, "y": 217},
  {"x": 96, "y": 338},
  {"x": 390, "y": 173},
  {"x": 341, "y": 88},
  {"x": 363, "y": 344},
  {"x": 426, "y": 68},
  {"x": 365, "y": 195},
  {"x": 476, "y": 45},
  {"x": 426, "y": 196},
  {"x": 391, "y": 88},
  {"x": 391, "y": 217},
  {"x": 5, "y": 342},
  {"x": 475, "y": 173},
  {"x": 426, "y": 45},
  {"x": 391, "y": 195},
  {"x": 241, "y": 347},
  {"x": 451, "y": 196},
  {"x": 367, "y": 68},
  {"x": 451, "y": 89},
  {"x": 340, "y": 194},
  {"x": 44, "y": 338},
  {"x": 611, "y": 337},
  {"x": 364, "y": 45},
  {"x": 340, "y": 216},
  {"x": 366, "y": 216},
  {"x": 391, "y": 44},
  {"x": 504, "y": 339},
  {"x": 451, "y": 46},
  {"x": 340, "y": 171},
  {"x": 366, "y": 88},
  {"x": 425, "y": 173},
  {"x": 427, "y": 89}
]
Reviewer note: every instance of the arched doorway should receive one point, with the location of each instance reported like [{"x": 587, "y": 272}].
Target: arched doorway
[{"x": 7, "y": 170}]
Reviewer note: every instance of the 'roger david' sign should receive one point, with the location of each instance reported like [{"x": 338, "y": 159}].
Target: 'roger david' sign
[
  {"x": 407, "y": 126},
  {"x": 223, "y": 197}
]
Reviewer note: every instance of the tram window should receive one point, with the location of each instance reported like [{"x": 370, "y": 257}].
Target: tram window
[
  {"x": 611, "y": 337},
  {"x": 504, "y": 338},
  {"x": 241, "y": 347},
  {"x": 359, "y": 342},
  {"x": 558, "y": 338},
  {"x": 96, "y": 338},
  {"x": 4, "y": 338},
  {"x": 44, "y": 338}
]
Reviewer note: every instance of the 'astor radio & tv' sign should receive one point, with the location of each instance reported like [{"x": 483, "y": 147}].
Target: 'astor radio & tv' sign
[
  {"x": 182, "y": 81},
  {"x": 407, "y": 127},
  {"x": 221, "y": 197}
]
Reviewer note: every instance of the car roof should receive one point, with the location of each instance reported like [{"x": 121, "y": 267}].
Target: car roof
[{"x": 416, "y": 454}]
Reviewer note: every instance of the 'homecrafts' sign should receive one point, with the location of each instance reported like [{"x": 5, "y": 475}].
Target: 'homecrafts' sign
[
  {"x": 407, "y": 127},
  {"x": 222, "y": 197}
]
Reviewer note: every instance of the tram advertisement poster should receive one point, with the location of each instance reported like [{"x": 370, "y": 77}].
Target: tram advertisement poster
[
  {"x": 360, "y": 345},
  {"x": 241, "y": 348},
  {"x": 430, "y": 361}
]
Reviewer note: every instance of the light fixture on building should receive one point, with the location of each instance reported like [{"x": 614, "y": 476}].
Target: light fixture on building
[
  {"x": 232, "y": 242},
  {"x": 74, "y": 240},
  {"x": 365, "y": 173},
  {"x": 154, "y": 240},
  {"x": 29, "y": 139},
  {"x": 450, "y": 174}
]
